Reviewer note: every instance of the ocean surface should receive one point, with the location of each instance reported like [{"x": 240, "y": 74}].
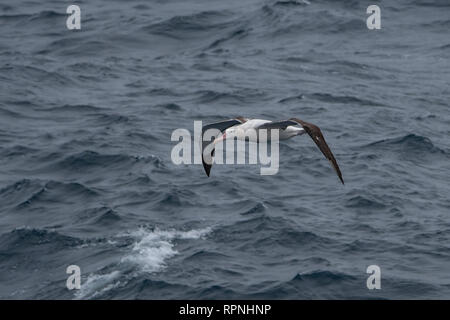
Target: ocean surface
[{"x": 86, "y": 176}]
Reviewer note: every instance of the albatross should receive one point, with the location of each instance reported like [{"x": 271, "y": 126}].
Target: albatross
[{"x": 239, "y": 128}]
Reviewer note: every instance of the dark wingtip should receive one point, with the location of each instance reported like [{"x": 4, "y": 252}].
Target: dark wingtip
[
  {"x": 207, "y": 168},
  {"x": 316, "y": 135},
  {"x": 338, "y": 171}
]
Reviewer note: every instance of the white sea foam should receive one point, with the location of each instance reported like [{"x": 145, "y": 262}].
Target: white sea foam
[{"x": 153, "y": 248}]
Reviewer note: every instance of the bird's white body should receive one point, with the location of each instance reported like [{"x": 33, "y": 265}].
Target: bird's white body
[{"x": 249, "y": 131}]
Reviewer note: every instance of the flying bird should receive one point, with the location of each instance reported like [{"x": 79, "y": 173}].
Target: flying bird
[{"x": 239, "y": 128}]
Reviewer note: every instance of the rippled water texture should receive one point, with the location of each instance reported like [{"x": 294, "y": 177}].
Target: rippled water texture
[{"x": 86, "y": 176}]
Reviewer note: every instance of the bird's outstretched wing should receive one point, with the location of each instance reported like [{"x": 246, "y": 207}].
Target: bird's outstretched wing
[
  {"x": 315, "y": 134},
  {"x": 221, "y": 126}
]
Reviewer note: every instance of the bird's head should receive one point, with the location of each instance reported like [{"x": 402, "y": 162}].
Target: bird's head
[{"x": 230, "y": 133}]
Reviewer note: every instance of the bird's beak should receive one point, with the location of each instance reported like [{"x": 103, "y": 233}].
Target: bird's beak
[{"x": 221, "y": 138}]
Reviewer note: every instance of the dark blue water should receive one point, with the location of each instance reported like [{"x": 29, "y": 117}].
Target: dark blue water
[{"x": 86, "y": 176}]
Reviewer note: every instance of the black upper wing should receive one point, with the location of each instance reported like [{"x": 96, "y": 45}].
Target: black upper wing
[{"x": 315, "y": 133}]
